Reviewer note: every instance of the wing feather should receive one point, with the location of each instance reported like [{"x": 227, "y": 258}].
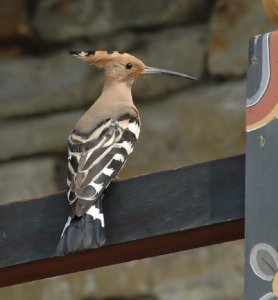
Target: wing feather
[{"x": 95, "y": 158}]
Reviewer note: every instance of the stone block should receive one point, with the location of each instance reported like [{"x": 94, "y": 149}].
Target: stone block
[
  {"x": 31, "y": 86},
  {"x": 200, "y": 274},
  {"x": 232, "y": 23},
  {"x": 181, "y": 49},
  {"x": 40, "y": 135},
  {"x": 66, "y": 20},
  {"x": 200, "y": 124},
  {"x": 14, "y": 21},
  {"x": 23, "y": 179}
]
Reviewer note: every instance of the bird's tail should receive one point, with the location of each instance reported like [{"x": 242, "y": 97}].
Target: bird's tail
[{"x": 82, "y": 233}]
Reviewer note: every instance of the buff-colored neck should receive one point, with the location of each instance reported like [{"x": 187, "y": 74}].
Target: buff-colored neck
[
  {"x": 115, "y": 100},
  {"x": 117, "y": 92}
]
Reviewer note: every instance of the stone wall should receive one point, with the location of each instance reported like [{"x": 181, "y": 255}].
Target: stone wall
[{"x": 43, "y": 92}]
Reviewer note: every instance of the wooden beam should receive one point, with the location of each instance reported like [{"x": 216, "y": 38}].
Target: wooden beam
[{"x": 146, "y": 216}]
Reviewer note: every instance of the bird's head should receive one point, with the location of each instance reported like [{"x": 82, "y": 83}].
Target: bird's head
[{"x": 121, "y": 66}]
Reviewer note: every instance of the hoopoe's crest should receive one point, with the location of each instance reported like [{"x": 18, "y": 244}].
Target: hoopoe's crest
[{"x": 118, "y": 65}]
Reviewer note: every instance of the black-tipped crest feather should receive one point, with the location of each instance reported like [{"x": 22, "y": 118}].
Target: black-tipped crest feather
[{"x": 82, "y": 53}]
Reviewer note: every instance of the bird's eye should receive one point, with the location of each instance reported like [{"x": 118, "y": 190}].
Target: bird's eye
[{"x": 128, "y": 65}]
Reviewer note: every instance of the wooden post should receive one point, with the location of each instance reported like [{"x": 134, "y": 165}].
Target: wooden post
[{"x": 261, "y": 205}]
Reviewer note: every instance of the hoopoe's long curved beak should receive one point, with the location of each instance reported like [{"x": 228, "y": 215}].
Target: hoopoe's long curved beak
[{"x": 151, "y": 70}]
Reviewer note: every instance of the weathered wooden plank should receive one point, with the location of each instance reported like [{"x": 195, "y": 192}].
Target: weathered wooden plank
[
  {"x": 262, "y": 166},
  {"x": 145, "y": 216}
]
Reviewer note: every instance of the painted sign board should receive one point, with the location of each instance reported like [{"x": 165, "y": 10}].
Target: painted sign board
[{"x": 261, "y": 193}]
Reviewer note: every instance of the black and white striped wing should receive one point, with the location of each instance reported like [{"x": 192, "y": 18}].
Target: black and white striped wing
[{"x": 95, "y": 158}]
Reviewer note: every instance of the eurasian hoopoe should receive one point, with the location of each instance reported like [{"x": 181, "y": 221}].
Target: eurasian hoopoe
[{"x": 99, "y": 145}]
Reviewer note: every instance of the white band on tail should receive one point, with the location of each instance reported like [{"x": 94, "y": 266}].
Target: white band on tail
[
  {"x": 96, "y": 214},
  {"x": 66, "y": 225}
]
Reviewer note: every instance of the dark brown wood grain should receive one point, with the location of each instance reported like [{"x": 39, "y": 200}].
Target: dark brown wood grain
[{"x": 145, "y": 216}]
